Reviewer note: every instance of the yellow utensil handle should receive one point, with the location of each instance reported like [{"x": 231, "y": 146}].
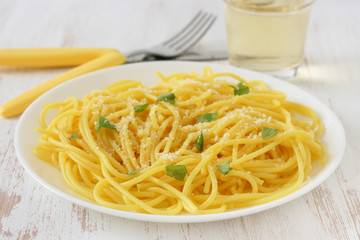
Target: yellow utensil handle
[
  {"x": 50, "y": 57},
  {"x": 18, "y": 104}
]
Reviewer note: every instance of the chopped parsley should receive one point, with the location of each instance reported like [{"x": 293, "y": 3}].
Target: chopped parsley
[
  {"x": 240, "y": 89},
  {"x": 133, "y": 172},
  {"x": 207, "y": 117},
  {"x": 176, "y": 171},
  {"x": 268, "y": 132},
  {"x": 224, "y": 168},
  {"x": 74, "y": 136},
  {"x": 105, "y": 123},
  {"x": 167, "y": 97},
  {"x": 141, "y": 107},
  {"x": 199, "y": 142}
]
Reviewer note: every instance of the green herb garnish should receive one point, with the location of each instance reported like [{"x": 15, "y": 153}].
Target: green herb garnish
[
  {"x": 224, "y": 168},
  {"x": 207, "y": 117},
  {"x": 105, "y": 123},
  {"x": 74, "y": 136},
  {"x": 199, "y": 142},
  {"x": 167, "y": 97},
  {"x": 141, "y": 107},
  {"x": 176, "y": 171},
  {"x": 268, "y": 132},
  {"x": 133, "y": 172},
  {"x": 240, "y": 89}
]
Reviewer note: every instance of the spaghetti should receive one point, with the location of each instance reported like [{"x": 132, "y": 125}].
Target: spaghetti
[{"x": 192, "y": 143}]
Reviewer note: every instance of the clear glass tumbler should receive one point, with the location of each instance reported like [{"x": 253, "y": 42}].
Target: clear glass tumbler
[{"x": 267, "y": 35}]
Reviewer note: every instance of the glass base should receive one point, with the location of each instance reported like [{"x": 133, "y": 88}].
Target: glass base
[{"x": 285, "y": 74}]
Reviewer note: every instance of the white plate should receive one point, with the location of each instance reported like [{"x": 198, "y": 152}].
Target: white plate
[{"x": 48, "y": 176}]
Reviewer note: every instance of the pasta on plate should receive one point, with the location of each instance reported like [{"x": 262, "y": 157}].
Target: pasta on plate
[{"x": 193, "y": 143}]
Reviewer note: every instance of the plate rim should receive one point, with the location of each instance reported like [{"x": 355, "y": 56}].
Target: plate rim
[{"x": 179, "y": 218}]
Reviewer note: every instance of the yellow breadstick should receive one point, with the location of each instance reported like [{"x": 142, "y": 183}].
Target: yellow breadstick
[
  {"x": 18, "y": 104},
  {"x": 50, "y": 57}
]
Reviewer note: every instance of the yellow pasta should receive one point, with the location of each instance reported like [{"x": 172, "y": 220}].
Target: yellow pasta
[{"x": 195, "y": 143}]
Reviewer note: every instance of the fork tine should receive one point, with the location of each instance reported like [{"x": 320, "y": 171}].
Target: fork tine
[
  {"x": 202, "y": 27},
  {"x": 181, "y": 41},
  {"x": 196, "y": 35},
  {"x": 193, "y": 23},
  {"x": 185, "y": 34}
]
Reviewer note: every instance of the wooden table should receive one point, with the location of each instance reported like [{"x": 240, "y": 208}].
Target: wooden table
[{"x": 331, "y": 71}]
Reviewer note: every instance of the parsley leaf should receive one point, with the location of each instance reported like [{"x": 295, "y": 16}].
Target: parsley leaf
[
  {"x": 176, "y": 171},
  {"x": 240, "y": 89},
  {"x": 268, "y": 132},
  {"x": 141, "y": 107},
  {"x": 133, "y": 172},
  {"x": 167, "y": 97},
  {"x": 224, "y": 168},
  {"x": 199, "y": 142},
  {"x": 74, "y": 136},
  {"x": 207, "y": 117},
  {"x": 105, "y": 123}
]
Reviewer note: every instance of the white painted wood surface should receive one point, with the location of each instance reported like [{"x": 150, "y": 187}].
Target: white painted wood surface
[{"x": 331, "y": 71}]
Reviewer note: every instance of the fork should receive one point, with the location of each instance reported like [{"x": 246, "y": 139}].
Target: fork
[
  {"x": 181, "y": 41},
  {"x": 88, "y": 60}
]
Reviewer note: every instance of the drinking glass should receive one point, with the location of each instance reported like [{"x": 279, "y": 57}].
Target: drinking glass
[{"x": 267, "y": 35}]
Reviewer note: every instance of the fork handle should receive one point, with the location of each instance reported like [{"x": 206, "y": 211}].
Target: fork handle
[
  {"x": 136, "y": 52},
  {"x": 50, "y": 57}
]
